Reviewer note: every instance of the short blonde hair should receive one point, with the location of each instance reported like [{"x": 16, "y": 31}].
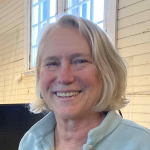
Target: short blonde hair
[{"x": 110, "y": 65}]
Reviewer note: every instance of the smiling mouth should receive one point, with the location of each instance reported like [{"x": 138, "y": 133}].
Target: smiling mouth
[{"x": 67, "y": 94}]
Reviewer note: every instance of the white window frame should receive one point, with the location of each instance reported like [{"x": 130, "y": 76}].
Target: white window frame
[
  {"x": 111, "y": 19},
  {"x": 110, "y": 26}
]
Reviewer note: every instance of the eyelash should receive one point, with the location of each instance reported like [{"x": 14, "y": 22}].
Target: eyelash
[
  {"x": 52, "y": 64},
  {"x": 80, "y": 61}
]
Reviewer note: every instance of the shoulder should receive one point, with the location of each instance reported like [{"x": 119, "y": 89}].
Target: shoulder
[
  {"x": 27, "y": 141},
  {"x": 35, "y": 136},
  {"x": 127, "y": 134},
  {"x": 136, "y": 128},
  {"x": 135, "y": 133}
]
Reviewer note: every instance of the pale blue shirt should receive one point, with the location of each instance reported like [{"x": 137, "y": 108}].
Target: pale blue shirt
[{"x": 114, "y": 133}]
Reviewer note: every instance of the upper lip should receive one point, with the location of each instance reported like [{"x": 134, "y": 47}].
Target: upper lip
[{"x": 65, "y": 91}]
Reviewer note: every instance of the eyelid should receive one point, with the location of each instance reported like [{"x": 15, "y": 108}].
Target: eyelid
[
  {"x": 83, "y": 60},
  {"x": 80, "y": 59},
  {"x": 52, "y": 62}
]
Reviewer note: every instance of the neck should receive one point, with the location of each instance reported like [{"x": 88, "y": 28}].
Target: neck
[{"x": 74, "y": 133}]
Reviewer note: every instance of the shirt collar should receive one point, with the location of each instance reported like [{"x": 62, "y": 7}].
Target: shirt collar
[
  {"x": 44, "y": 131},
  {"x": 110, "y": 122}
]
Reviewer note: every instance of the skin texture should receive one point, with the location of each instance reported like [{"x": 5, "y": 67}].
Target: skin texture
[{"x": 67, "y": 66}]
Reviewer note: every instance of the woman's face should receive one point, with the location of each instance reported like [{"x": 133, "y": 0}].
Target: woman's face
[{"x": 68, "y": 79}]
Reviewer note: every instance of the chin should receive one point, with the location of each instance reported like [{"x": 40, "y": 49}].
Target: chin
[{"x": 67, "y": 114}]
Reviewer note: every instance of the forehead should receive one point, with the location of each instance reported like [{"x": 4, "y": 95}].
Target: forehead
[{"x": 65, "y": 40}]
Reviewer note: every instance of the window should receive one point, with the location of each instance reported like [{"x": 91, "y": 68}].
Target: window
[
  {"x": 45, "y": 11},
  {"x": 89, "y": 9}
]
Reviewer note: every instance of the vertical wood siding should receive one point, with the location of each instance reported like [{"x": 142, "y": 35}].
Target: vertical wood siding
[
  {"x": 134, "y": 45},
  {"x": 12, "y": 54}
]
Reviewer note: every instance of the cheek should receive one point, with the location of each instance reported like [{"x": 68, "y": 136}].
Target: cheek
[
  {"x": 46, "y": 79},
  {"x": 90, "y": 77}
]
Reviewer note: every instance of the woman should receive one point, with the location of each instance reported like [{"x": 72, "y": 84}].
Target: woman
[{"x": 81, "y": 78}]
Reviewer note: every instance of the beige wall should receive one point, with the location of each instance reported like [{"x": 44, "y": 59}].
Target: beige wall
[
  {"x": 11, "y": 54},
  {"x": 133, "y": 45}
]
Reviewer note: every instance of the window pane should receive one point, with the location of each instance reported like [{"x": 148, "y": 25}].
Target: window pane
[
  {"x": 74, "y": 11},
  {"x": 33, "y": 56},
  {"x": 44, "y": 10},
  {"x": 72, "y": 3},
  {"x": 43, "y": 24},
  {"x": 53, "y": 20},
  {"x": 34, "y": 35},
  {"x": 100, "y": 25},
  {"x": 34, "y": 2},
  {"x": 98, "y": 10},
  {"x": 53, "y": 7},
  {"x": 81, "y": 0},
  {"x": 35, "y": 14},
  {"x": 85, "y": 10}
]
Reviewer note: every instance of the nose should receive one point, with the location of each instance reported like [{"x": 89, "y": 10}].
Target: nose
[{"x": 65, "y": 75}]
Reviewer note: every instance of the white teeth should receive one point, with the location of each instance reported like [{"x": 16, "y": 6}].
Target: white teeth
[
  {"x": 62, "y": 94},
  {"x": 67, "y": 94}
]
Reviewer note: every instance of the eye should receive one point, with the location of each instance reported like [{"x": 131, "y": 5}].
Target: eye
[
  {"x": 80, "y": 61},
  {"x": 52, "y": 64}
]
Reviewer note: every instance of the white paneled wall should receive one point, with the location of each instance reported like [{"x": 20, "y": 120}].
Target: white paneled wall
[
  {"x": 11, "y": 55},
  {"x": 134, "y": 46}
]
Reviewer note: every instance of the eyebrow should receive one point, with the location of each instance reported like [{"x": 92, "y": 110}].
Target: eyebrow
[
  {"x": 71, "y": 56},
  {"x": 51, "y": 58},
  {"x": 79, "y": 55}
]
